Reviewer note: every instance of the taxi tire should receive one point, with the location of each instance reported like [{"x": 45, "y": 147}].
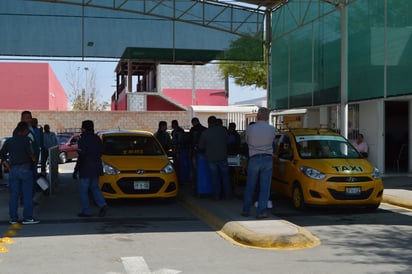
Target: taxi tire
[
  {"x": 371, "y": 209},
  {"x": 298, "y": 199}
]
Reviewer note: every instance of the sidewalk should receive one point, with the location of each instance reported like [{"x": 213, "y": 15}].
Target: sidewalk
[
  {"x": 224, "y": 215},
  {"x": 398, "y": 190}
]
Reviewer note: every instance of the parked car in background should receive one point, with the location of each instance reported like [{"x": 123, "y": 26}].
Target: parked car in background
[
  {"x": 135, "y": 166},
  {"x": 319, "y": 167},
  {"x": 67, "y": 146}
]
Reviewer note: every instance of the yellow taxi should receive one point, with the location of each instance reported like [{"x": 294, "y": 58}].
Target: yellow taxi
[
  {"x": 319, "y": 167},
  {"x": 135, "y": 166}
]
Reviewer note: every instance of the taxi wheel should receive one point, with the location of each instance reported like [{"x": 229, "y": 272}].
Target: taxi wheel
[
  {"x": 372, "y": 208},
  {"x": 297, "y": 197}
]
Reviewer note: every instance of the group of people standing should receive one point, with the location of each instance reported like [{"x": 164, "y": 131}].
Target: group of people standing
[
  {"x": 216, "y": 143},
  {"x": 213, "y": 141},
  {"x": 21, "y": 155},
  {"x": 28, "y": 147}
]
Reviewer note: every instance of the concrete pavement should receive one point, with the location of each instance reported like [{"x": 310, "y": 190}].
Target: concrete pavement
[{"x": 223, "y": 216}]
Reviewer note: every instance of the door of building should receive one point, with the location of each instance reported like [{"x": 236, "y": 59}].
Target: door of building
[{"x": 396, "y": 136}]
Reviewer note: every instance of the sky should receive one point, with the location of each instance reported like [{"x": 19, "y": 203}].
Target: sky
[{"x": 106, "y": 80}]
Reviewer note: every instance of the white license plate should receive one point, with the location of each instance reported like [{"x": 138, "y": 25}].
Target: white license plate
[
  {"x": 141, "y": 185},
  {"x": 353, "y": 190}
]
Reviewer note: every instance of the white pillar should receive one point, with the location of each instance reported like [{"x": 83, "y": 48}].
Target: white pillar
[{"x": 344, "y": 70}]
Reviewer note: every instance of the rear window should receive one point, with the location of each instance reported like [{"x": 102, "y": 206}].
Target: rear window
[
  {"x": 324, "y": 146},
  {"x": 131, "y": 146}
]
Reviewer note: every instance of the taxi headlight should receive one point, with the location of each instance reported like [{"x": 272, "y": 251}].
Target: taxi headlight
[
  {"x": 313, "y": 173},
  {"x": 108, "y": 169},
  {"x": 376, "y": 174},
  {"x": 168, "y": 169}
]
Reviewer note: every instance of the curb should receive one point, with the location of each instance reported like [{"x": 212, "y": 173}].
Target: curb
[
  {"x": 393, "y": 200},
  {"x": 299, "y": 240},
  {"x": 243, "y": 236}
]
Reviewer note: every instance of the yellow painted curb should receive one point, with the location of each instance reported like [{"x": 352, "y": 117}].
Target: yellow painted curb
[
  {"x": 239, "y": 234},
  {"x": 397, "y": 201},
  {"x": 3, "y": 249},
  {"x": 6, "y": 240},
  {"x": 10, "y": 233},
  {"x": 16, "y": 226},
  {"x": 302, "y": 239}
]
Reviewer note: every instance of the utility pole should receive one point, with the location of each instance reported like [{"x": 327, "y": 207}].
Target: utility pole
[{"x": 86, "y": 90}]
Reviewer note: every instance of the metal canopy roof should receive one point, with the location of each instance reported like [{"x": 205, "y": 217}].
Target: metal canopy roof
[
  {"x": 268, "y": 4},
  {"x": 186, "y": 30}
]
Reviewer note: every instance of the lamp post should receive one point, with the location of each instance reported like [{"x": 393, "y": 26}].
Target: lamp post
[{"x": 86, "y": 90}]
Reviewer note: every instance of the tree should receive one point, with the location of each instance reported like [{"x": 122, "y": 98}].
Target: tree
[
  {"x": 247, "y": 67},
  {"x": 83, "y": 94},
  {"x": 247, "y": 73}
]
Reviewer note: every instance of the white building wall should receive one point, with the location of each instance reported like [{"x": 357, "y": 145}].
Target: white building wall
[
  {"x": 136, "y": 101},
  {"x": 371, "y": 128},
  {"x": 189, "y": 77},
  {"x": 324, "y": 118},
  {"x": 312, "y": 118},
  {"x": 236, "y": 114}
]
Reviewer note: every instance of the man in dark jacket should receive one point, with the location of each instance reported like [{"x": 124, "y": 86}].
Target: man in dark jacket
[
  {"x": 18, "y": 156},
  {"x": 90, "y": 168},
  {"x": 163, "y": 136},
  {"x": 195, "y": 133},
  {"x": 233, "y": 142},
  {"x": 213, "y": 142}
]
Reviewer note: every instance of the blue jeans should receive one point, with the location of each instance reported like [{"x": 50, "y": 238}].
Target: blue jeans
[
  {"x": 21, "y": 182},
  {"x": 220, "y": 179},
  {"x": 93, "y": 184},
  {"x": 259, "y": 171}
]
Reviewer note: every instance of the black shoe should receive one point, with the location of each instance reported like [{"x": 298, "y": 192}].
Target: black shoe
[
  {"x": 245, "y": 214},
  {"x": 103, "y": 211},
  {"x": 81, "y": 214},
  {"x": 261, "y": 216}
]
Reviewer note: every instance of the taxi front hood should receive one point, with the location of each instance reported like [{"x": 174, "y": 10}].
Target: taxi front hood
[
  {"x": 340, "y": 166},
  {"x": 133, "y": 162}
]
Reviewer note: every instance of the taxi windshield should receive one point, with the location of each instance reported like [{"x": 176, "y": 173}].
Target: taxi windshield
[
  {"x": 131, "y": 145},
  {"x": 325, "y": 146}
]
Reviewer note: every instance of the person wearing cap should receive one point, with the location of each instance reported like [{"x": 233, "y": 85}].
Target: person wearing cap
[{"x": 90, "y": 168}]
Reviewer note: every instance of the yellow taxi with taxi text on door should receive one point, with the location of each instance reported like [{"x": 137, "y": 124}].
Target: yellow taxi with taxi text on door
[
  {"x": 319, "y": 167},
  {"x": 135, "y": 166}
]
